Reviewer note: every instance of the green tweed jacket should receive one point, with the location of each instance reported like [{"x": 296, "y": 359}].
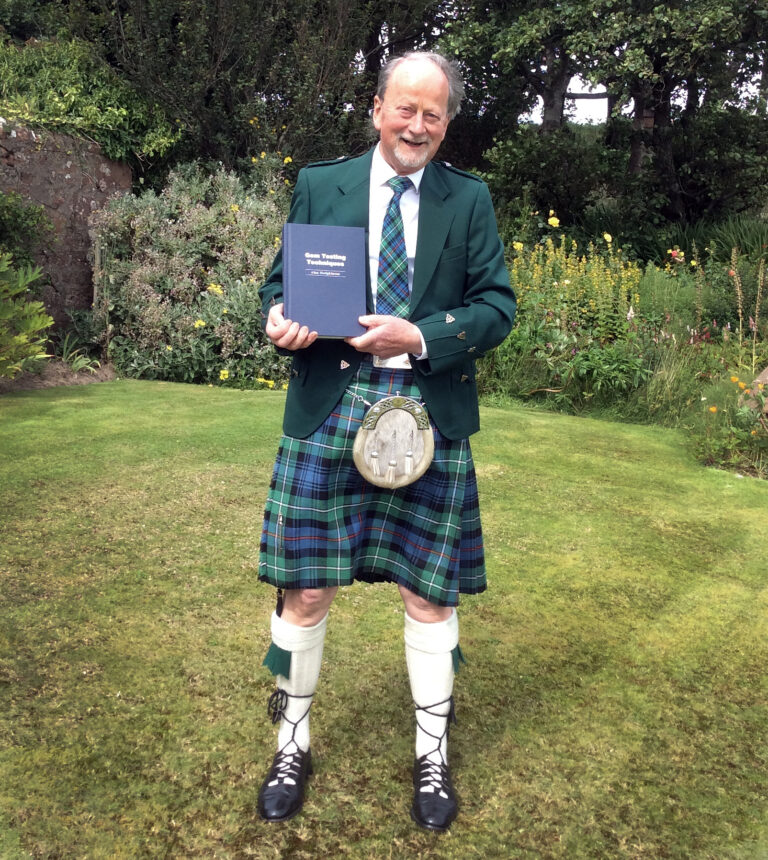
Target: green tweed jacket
[{"x": 461, "y": 297}]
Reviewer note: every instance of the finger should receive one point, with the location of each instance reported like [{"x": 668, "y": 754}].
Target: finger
[{"x": 373, "y": 320}]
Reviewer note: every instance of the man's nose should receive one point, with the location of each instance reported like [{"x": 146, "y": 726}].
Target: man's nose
[{"x": 416, "y": 125}]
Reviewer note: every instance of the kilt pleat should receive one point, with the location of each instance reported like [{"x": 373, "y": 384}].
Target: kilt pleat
[{"x": 325, "y": 525}]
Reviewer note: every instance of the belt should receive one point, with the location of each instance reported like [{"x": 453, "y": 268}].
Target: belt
[{"x": 397, "y": 362}]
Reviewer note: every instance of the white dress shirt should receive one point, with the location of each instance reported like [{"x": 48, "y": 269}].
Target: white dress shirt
[{"x": 378, "y": 201}]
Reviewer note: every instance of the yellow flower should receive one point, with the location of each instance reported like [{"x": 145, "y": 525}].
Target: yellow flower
[
  {"x": 287, "y": 181},
  {"x": 271, "y": 190},
  {"x": 169, "y": 348},
  {"x": 287, "y": 159},
  {"x": 734, "y": 379},
  {"x": 253, "y": 159},
  {"x": 234, "y": 207},
  {"x": 760, "y": 386},
  {"x": 225, "y": 311},
  {"x": 553, "y": 221},
  {"x": 263, "y": 154},
  {"x": 551, "y": 212},
  {"x": 608, "y": 238},
  {"x": 224, "y": 374},
  {"x": 518, "y": 246},
  {"x": 216, "y": 289},
  {"x": 268, "y": 382},
  {"x": 199, "y": 323},
  {"x": 742, "y": 385},
  {"x": 713, "y": 409},
  {"x": 694, "y": 263}
]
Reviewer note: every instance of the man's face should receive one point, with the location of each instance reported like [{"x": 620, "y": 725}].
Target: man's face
[{"x": 412, "y": 118}]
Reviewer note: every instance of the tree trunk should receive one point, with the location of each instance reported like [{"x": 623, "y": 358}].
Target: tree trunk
[
  {"x": 642, "y": 118},
  {"x": 664, "y": 160},
  {"x": 553, "y": 87}
]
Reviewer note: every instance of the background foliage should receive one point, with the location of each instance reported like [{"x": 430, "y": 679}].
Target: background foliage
[
  {"x": 23, "y": 321},
  {"x": 65, "y": 86},
  {"x": 177, "y": 275}
]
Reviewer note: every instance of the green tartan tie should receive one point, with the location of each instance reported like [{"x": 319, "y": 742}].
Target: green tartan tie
[{"x": 392, "y": 295}]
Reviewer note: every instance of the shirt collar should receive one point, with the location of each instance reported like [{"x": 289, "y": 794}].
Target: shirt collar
[{"x": 381, "y": 172}]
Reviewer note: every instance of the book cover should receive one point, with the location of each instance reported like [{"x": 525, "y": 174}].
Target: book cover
[{"x": 324, "y": 278}]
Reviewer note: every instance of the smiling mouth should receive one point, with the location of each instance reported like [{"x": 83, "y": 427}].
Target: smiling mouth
[{"x": 414, "y": 143}]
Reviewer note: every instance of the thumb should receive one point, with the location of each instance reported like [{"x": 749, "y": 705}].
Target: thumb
[{"x": 372, "y": 320}]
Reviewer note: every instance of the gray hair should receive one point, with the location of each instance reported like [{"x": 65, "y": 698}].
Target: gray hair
[{"x": 448, "y": 67}]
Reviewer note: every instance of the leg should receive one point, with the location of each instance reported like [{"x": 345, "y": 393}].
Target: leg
[
  {"x": 431, "y": 636},
  {"x": 299, "y": 632}
]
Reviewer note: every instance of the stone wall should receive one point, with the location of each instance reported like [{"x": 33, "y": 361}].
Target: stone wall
[{"x": 71, "y": 179}]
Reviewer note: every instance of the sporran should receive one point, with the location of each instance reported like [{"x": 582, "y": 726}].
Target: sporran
[{"x": 394, "y": 444}]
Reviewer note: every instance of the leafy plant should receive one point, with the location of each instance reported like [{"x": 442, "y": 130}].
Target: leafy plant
[
  {"x": 23, "y": 227},
  {"x": 74, "y": 353},
  {"x": 22, "y": 322},
  {"x": 64, "y": 86},
  {"x": 177, "y": 276}
]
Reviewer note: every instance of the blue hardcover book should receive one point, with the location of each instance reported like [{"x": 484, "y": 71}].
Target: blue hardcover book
[{"x": 324, "y": 278}]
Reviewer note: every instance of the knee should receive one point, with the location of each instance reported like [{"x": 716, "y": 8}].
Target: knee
[
  {"x": 422, "y": 610},
  {"x": 306, "y": 607}
]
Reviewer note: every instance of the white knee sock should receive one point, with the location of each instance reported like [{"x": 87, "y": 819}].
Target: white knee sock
[
  {"x": 306, "y": 647},
  {"x": 428, "y": 653}
]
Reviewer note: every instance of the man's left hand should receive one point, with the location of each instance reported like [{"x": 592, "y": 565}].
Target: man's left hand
[{"x": 387, "y": 336}]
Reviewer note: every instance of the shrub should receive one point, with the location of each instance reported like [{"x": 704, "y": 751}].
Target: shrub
[
  {"x": 23, "y": 226},
  {"x": 63, "y": 86},
  {"x": 177, "y": 275},
  {"x": 731, "y": 426},
  {"x": 22, "y": 322},
  {"x": 573, "y": 338}
]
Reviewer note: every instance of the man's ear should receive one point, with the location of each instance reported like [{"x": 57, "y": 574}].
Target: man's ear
[{"x": 378, "y": 106}]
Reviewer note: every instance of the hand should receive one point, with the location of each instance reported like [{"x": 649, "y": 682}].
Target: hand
[
  {"x": 286, "y": 333},
  {"x": 387, "y": 336}
]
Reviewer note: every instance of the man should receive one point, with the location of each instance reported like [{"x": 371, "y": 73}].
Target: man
[{"x": 324, "y": 524}]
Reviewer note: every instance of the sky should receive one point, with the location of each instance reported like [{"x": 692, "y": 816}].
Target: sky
[{"x": 586, "y": 110}]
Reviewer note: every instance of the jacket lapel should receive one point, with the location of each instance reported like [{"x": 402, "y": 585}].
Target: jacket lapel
[
  {"x": 350, "y": 208},
  {"x": 435, "y": 218}
]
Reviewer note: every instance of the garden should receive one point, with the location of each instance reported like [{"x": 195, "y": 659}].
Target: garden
[{"x": 613, "y": 700}]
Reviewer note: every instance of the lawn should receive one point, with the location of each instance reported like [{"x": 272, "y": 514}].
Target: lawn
[{"x": 613, "y": 705}]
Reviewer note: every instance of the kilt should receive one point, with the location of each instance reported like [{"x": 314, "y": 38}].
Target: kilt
[{"x": 325, "y": 525}]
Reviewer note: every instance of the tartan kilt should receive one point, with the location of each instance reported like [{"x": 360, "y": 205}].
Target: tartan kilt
[{"x": 325, "y": 525}]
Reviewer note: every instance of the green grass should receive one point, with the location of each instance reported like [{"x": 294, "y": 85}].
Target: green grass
[{"x": 614, "y": 704}]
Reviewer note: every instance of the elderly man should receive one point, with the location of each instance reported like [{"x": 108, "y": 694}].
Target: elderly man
[{"x": 439, "y": 297}]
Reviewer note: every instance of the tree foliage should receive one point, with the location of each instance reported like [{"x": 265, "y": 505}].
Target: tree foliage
[{"x": 684, "y": 138}]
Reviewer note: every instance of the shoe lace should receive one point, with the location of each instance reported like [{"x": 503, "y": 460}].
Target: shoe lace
[
  {"x": 434, "y": 775},
  {"x": 285, "y": 768}
]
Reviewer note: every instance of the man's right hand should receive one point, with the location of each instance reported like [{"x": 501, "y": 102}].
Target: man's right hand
[{"x": 285, "y": 333}]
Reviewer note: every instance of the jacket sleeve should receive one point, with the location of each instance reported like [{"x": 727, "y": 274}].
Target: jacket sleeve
[
  {"x": 271, "y": 292},
  {"x": 485, "y": 312}
]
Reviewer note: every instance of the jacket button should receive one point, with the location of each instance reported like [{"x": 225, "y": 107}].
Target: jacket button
[
  {"x": 464, "y": 377},
  {"x": 462, "y": 335}
]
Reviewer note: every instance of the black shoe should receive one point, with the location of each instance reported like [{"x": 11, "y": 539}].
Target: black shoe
[
  {"x": 282, "y": 793},
  {"x": 434, "y": 809}
]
